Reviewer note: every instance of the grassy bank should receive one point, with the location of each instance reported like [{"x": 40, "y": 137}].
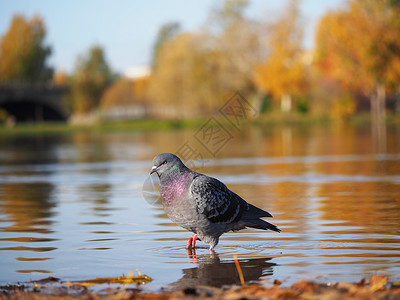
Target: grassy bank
[
  {"x": 158, "y": 124},
  {"x": 146, "y": 124}
]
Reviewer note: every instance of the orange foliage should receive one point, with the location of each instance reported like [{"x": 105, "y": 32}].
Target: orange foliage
[
  {"x": 140, "y": 89},
  {"x": 125, "y": 92},
  {"x": 359, "y": 46},
  {"x": 283, "y": 72},
  {"x": 120, "y": 93},
  {"x": 60, "y": 78},
  {"x": 340, "y": 47}
]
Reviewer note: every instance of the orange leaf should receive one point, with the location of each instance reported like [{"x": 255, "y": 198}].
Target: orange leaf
[{"x": 377, "y": 282}]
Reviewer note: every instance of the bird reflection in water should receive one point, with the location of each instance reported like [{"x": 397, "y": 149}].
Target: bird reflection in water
[{"x": 210, "y": 270}]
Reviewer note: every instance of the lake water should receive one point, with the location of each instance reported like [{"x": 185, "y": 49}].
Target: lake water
[{"x": 72, "y": 205}]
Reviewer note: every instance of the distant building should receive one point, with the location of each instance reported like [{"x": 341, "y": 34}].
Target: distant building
[{"x": 137, "y": 72}]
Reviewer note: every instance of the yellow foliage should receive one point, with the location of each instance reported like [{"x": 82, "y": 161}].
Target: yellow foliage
[
  {"x": 343, "y": 107},
  {"x": 125, "y": 92},
  {"x": 22, "y": 53},
  {"x": 186, "y": 76},
  {"x": 121, "y": 92},
  {"x": 197, "y": 72},
  {"x": 92, "y": 76},
  {"x": 140, "y": 279},
  {"x": 283, "y": 71},
  {"x": 140, "y": 89}
]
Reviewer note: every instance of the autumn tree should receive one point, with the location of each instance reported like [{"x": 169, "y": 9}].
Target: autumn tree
[
  {"x": 166, "y": 33},
  {"x": 178, "y": 85},
  {"x": 91, "y": 77},
  {"x": 23, "y": 54},
  {"x": 236, "y": 41},
  {"x": 282, "y": 73},
  {"x": 197, "y": 72},
  {"x": 125, "y": 92},
  {"x": 359, "y": 46},
  {"x": 120, "y": 93},
  {"x": 60, "y": 78}
]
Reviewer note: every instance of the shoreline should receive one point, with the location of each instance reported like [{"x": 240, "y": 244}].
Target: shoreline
[
  {"x": 378, "y": 287},
  {"x": 165, "y": 124}
]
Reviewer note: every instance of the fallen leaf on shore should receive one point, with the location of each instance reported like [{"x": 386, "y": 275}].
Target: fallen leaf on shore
[
  {"x": 377, "y": 283},
  {"x": 124, "y": 280}
]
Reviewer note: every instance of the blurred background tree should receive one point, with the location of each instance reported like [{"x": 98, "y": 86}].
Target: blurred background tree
[
  {"x": 23, "y": 54},
  {"x": 236, "y": 40},
  {"x": 91, "y": 77},
  {"x": 176, "y": 83},
  {"x": 197, "y": 72},
  {"x": 283, "y": 74},
  {"x": 354, "y": 65},
  {"x": 166, "y": 33},
  {"x": 359, "y": 46},
  {"x": 60, "y": 78},
  {"x": 356, "y": 56},
  {"x": 120, "y": 93},
  {"x": 125, "y": 92}
]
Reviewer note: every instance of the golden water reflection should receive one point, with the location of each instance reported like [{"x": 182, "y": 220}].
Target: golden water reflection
[
  {"x": 71, "y": 204},
  {"x": 28, "y": 207}
]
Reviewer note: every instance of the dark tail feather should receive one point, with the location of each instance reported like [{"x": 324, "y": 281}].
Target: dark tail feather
[
  {"x": 260, "y": 224},
  {"x": 254, "y": 212}
]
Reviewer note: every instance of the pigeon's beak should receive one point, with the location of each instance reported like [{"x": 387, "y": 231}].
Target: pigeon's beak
[{"x": 153, "y": 169}]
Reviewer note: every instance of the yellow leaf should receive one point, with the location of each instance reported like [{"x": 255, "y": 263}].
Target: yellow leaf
[
  {"x": 377, "y": 282},
  {"x": 118, "y": 280}
]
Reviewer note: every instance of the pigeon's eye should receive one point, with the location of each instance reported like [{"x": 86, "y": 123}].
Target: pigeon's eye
[{"x": 164, "y": 162}]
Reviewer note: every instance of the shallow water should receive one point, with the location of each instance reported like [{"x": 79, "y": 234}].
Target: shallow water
[{"x": 72, "y": 206}]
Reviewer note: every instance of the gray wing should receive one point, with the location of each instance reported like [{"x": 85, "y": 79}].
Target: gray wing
[{"x": 216, "y": 201}]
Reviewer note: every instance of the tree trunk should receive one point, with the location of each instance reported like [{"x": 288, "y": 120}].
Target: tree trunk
[
  {"x": 381, "y": 99},
  {"x": 378, "y": 116},
  {"x": 286, "y": 103},
  {"x": 378, "y": 104}
]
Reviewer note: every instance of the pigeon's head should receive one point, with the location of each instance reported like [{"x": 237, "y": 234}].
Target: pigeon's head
[{"x": 166, "y": 163}]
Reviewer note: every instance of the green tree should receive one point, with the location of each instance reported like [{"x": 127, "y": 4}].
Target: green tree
[
  {"x": 91, "y": 77},
  {"x": 23, "y": 53}
]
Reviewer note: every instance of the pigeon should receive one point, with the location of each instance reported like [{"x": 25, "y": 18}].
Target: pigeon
[{"x": 202, "y": 204}]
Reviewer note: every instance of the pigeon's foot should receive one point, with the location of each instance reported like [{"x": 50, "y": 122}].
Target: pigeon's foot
[
  {"x": 191, "y": 244},
  {"x": 211, "y": 249}
]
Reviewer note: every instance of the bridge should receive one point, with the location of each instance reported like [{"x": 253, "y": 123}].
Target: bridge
[{"x": 33, "y": 102}]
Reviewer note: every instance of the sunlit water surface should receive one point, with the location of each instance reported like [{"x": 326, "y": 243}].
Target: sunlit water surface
[{"x": 72, "y": 206}]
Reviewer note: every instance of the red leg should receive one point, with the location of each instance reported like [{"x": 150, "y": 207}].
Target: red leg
[
  {"x": 194, "y": 236},
  {"x": 192, "y": 241}
]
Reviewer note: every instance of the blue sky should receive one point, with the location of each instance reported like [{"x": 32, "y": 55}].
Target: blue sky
[{"x": 127, "y": 28}]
